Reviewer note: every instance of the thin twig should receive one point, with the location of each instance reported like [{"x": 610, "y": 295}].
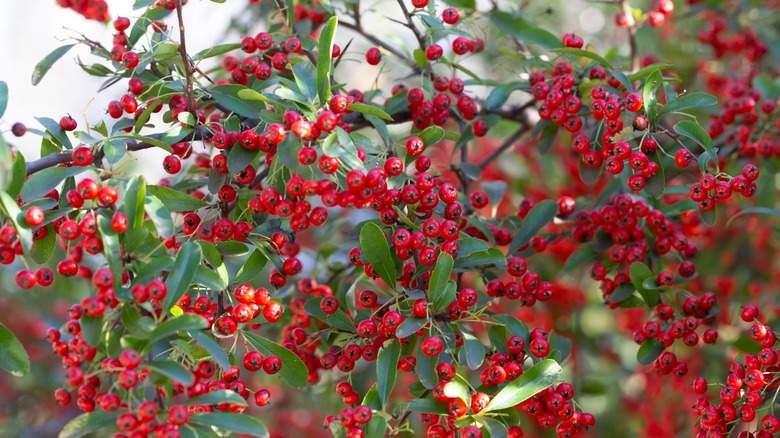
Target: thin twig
[
  {"x": 508, "y": 143},
  {"x": 632, "y": 44},
  {"x": 376, "y": 41},
  {"x": 188, "y": 68}
]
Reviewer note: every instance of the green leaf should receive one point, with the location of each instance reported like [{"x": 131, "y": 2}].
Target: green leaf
[
  {"x": 431, "y": 135},
  {"x": 53, "y": 127},
  {"x": 172, "y": 370},
  {"x": 649, "y": 96},
  {"x": 13, "y": 357},
  {"x": 537, "y": 378},
  {"x": 293, "y": 370},
  {"x": 560, "y": 343},
  {"x": 44, "y": 248},
  {"x": 135, "y": 196},
  {"x": 212, "y": 347},
  {"x": 3, "y": 98},
  {"x": 621, "y": 294},
  {"x": 639, "y": 272},
  {"x": 519, "y": 28},
  {"x": 251, "y": 267},
  {"x": 709, "y": 217},
  {"x": 214, "y": 279},
  {"x": 41, "y": 183},
  {"x": 425, "y": 368},
  {"x": 490, "y": 256},
  {"x": 182, "y": 273},
  {"x": 240, "y": 423},
  {"x": 175, "y": 200},
  {"x": 324, "y": 52},
  {"x": 539, "y": 216},
  {"x": 656, "y": 184},
  {"x": 18, "y": 176},
  {"x": 217, "y": 50},
  {"x": 457, "y": 389},
  {"x": 472, "y": 350},
  {"x": 514, "y": 325},
  {"x": 754, "y": 210},
  {"x": 419, "y": 57},
  {"x": 218, "y": 397},
  {"x": 91, "y": 329},
  {"x": 692, "y": 100},
  {"x": 377, "y": 252},
  {"x": 409, "y": 326},
  {"x": 85, "y": 424},
  {"x": 695, "y": 132},
  {"x": 171, "y": 326},
  {"x": 584, "y": 54},
  {"x": 233, "y": 98},
  {"x": 440, "y": 277},
  {"x": 647, "y": 71},
  {"x": 239, "y": 158},
  {"x": 370, "y": 110},
  {"x": 427, "y": 406},
  {"x": 547, "y": 137},
  {"x": 579, "y": 257},
  {"x": 648, "y": 352},
  {"x": 13, "y": 212},
  {"x": 339, "y": 319},
  {"x": 306, "y": 78},
  {"x": 143, "y": 22},
  {"x": 159, "y": 215},
  {"x": 499, "y": 95},
  {"x": 45, "y": 64},
  {"x": 386, "y": 369},
  {"x": 377, "y": 427}
]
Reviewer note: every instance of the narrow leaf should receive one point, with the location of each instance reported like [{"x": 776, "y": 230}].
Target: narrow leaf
[
  {"x": 45, "y": 64},
  {"x": 539, "y": 377}
]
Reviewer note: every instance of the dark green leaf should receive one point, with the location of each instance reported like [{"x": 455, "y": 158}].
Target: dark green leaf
[
  {"x": 409, "y": 326},
  {"x": 339, "y": 319},
  {"x": 539, "y": 216},
  {"x": 45, "y": 64},
  {"x": 692, "y": 100},
  {"x": 159, "y": 215},
  {"x": 514, "y": 325},
  {"x": 437, "y": 287},
  {"x": 18, "y": 176},
  {"x": 519, "y": 28},
  {"x": 135, "y": 198},
  {"x": 377, "y": 252},
  {"x": 217, "y": 50},
  {"x": 427, "y": 405},
  {"x": 472, "y": 349},
  {"x": 695, "y": 132},
  {"x": 639, "y": 272},
  {"x": 648, "y": 352},
  {"x": 560, "y": 343},
  {"x": 182, "y": 273},
  {"x": 85, "y": 424},
  {"x": 143, "y": 22},
  {"x": 588, "y": 175},
  {"x": 13, "y": 357},
  {"x": 212, "y": 347},
  {"x": 218, "y": 397},
  {"x": 13, "y": 212},
  {"x": 240, "y": 423},
  {"x": 709, "y": 217},
  {"x": 537, "y": 378},
  {"x": 377, "y": 427},
  {"x": 3, "y": 98},
  {"x": 175, "y": 200},
  {"x": 754, "y": 210},
  {"x": 370, "y": 110},
  {"x": 228, "y": 96},
  {"x": 488, "y": 257},
  {"x": 172, "y": 370},
  {"x": 44, "y": 248},
  {"x": 41, "y": 183},
  {"x": 324, "y": 52},
  {"x": 251, "y": 268},
  {"x": 579, "y": 257},
  {"x": 584, "y": 54},
  {"x": 386, "y": 369},
  {"x": 547, "y": 138},
  {"x": 649, "y": 95},
  {"x": 171, "y": 326},
  {"x": 306, "y": 78},
  {"x": 431, "y": 135},
  {"x": 499, "y": 95},
  {"x": 293, "y": 370},
  {"x": 646, "y": 71}
]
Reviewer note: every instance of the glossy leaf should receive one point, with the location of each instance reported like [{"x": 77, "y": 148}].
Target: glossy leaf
[
  {"x": 649, "y": 98},
  {"x": 386, "y": 369},
  {"x": 584, "y": 54},
  {"x": 182, "y": 273},
  {"x": 86, "y": 424},
  {"x": 695, "y": 132},
  {"x": 212, "y": 347},
  {"x": 13, "y": 357},
  {"x": 159, "y": 215},
  {"x": 135, "y": 198},
  {"x": 539, "y": 216},
  {"x": 172, "y": 370},
  {"x": 42, "y": 182},
  {"x": 648, "y": 352},
  {"x": 537, "y": 378},
  {"x": 692, "y": 100},
  {"x": 240, "y": 423},
  {"x": 437, "y": 286},
  {"x": 324, "y": 52},
  {"x": 639, "y": 272},
  {"x": 293, "y": 370},
  {"x": 432, "y": 135},
  {"x": 370, "y": 110},
  {"x": 13, "y": 212},
  {"x": 45, "y": 64},
  {"x": 218, "y": 397},
  {"x": 171, "y": 326},
  {"x": 377, "y": 252}
]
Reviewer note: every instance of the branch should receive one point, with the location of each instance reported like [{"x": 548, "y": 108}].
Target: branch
[
  {"x": 188, "y": 68},
  {"x": 634, "y": 59},
  {"x": 508, "y": 143},
  {"x": 132, "y": 145},
  {"x": 376, "y": 41}
]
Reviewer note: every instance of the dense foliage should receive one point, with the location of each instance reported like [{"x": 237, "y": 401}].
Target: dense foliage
[{"x": 508, "y": 230}]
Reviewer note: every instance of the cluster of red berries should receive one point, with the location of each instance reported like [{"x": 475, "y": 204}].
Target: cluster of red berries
[
  {"x": 90, "y": 9},
  {"x": 744, "y": 41},
  {"x": 749, "y": 385}
]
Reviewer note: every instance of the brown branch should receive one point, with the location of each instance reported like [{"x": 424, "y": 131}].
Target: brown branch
[
  {"x": 132, "y": 145},
  {"x": 376, "y": 41},
  {"x": 632, "y": 44},
  {"x": 508, "y": 143},
  {"x": 411, "y": 26},
  {"x": 188, "y": 67}
]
